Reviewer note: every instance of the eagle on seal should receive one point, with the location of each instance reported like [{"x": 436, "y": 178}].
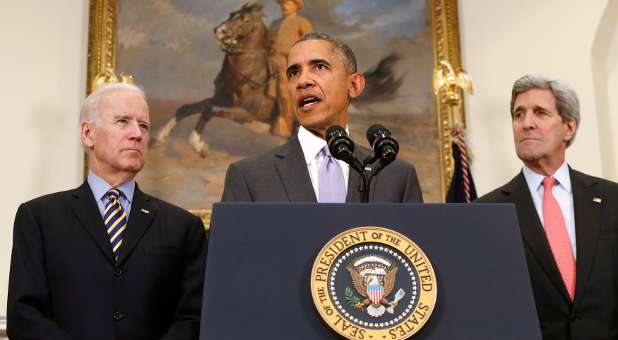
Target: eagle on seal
[{"x": 373, "y": 277}]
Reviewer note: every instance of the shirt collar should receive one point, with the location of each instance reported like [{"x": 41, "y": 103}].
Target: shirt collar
[
  {"x": 535, "y": 180},
  {"x": 100, "y": 187},
  {"x": 310, "y": 144}
]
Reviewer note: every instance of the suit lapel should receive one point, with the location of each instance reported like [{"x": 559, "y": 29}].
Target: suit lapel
[
  {"x": 87, "y": 212},
  {"x": 533, "y": 231},
  {"x": 293, "y": 172},
  {"x": 143, "y": 212},
  {"x": 587, "y": 227}
]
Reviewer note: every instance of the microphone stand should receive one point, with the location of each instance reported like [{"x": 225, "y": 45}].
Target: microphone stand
[
  {"x": 363, "y": 186},
  {"x": 367, "y": 173}
]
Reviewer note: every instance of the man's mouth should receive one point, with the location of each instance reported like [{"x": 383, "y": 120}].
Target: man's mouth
[
  {"x": 528, "y": 139},
  {"x": 306, "y": 102},
  {"x": 133, "y": 150}
]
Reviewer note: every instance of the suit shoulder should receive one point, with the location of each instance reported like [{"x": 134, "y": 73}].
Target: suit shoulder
[
  {"x": 603, "y": 184},
  {"x": 52, "y": 198},
  {"x": 261, "y": 160},
  {"x": 494, "y": 196},
  {"x": 401, "y": 164},
  {"x": 502, "y": 194}
]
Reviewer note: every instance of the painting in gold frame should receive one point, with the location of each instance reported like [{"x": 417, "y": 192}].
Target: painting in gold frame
[{"x": 110, "y": 40}]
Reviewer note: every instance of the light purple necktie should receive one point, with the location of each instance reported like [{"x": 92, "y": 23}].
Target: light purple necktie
[{"x": 330, "y": 180}]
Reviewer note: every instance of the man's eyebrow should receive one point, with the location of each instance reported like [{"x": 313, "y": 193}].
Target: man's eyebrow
[
  {"x": 319, "y": 61},
  {"x": 540, "y": 107},
  {"x": 293, "y": 67}
]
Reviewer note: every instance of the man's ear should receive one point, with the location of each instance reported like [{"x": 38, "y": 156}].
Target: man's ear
[
  {"x": 356, "y": 84},
  {"x": 571, "y": 126},
  {"x": 87, "y": 134}
]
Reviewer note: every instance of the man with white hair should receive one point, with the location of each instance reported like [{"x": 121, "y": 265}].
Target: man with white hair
[
  {"x": 568, "y": 220},
  {"x": 105, "y": 260}
]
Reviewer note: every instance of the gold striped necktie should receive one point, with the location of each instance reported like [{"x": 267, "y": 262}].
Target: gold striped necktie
[{"x": 115, "y": 219}]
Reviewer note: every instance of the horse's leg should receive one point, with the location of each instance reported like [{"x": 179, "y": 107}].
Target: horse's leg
[
  {"x": 195, "y": 139},
  {"x": 181, "y": 113}
]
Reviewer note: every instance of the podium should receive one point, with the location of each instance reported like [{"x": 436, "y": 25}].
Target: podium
[{"x": 260, "y": 257}]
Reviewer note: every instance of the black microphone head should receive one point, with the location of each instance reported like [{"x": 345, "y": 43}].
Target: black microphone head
[
  {"x": 375, "y": 131},
  {"x": 339, "y": 143},
  {"x": 333, "y": 132},
  {"x": 384, "y": 146}
]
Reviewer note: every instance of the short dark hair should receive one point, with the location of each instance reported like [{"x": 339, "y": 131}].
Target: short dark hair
[{"x": 341, "y": 49}]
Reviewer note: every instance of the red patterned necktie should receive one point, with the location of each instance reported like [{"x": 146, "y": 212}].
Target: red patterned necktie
[{"x": 556, "y": 231}]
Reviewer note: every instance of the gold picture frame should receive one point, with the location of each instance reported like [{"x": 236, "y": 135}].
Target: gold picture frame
[{"x": 445, "y": 33}]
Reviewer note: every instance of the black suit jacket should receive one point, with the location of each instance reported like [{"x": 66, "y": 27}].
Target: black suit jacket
[
  {"x": 65, "y": 284},
  {"x": 281, "y": 175},
  {"x": 593, "y": 315}
]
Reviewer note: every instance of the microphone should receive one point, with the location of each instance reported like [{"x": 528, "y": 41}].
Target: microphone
[
  {"x": 385, "y": 147},
  {"x": 340, "y": 144}
]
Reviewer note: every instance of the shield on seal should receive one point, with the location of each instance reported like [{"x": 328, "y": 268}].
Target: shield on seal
[{"x": 375, "y": 291}]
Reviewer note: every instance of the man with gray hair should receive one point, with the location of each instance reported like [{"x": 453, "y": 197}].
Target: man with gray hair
[
  {"x": 568, "y": 220},
  {"x": 322, "y": 80},
  {"x": 105, "y": 260}
]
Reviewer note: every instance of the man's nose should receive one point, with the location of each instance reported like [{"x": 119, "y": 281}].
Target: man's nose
[
  {"x": 304, "y": 80},
  {"x": 528, "y": 120},
  {"x": 136, "y": 132}
]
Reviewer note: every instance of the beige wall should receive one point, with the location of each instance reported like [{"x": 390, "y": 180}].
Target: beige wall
[
  {"x": 605, "y": 77},
  {"x": 501, "y": 42},
  {"x": 44, "y": 62}
]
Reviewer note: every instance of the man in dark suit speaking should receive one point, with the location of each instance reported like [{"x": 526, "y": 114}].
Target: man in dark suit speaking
[
  {"x": 322, "y": 79},
  {"x": 568, "y": 220},
  {"x": 107, "y": 261}
]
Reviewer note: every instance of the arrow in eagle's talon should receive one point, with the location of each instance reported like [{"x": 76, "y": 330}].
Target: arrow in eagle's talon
[{"x": 400, "y": 294}]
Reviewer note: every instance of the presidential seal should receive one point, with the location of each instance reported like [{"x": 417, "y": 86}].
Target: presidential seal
[{"x": 373, "y": 283}]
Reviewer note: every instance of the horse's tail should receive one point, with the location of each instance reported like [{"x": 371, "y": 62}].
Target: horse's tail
[{"x": 380, "y": 81}]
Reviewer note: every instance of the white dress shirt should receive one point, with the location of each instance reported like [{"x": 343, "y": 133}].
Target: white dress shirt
[
  {"x": 311, "y": 146},
  {"x": 562, "y": 192}
]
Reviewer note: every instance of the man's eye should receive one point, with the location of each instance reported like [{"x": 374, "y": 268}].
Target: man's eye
[
  {"x": 144, "y": 126},
  {"x": 122, "y": 122},
  {"x": 541, "y": 112},
  {"x": 321, "y": 67},
  {"x": 292, "y": 74}
]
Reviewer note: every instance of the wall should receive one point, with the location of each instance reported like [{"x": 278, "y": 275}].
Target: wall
[
  {"x": 503, "y": 42},
  {"x": 44, "y": 58},
  {"x": 605, "y": 77}
]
